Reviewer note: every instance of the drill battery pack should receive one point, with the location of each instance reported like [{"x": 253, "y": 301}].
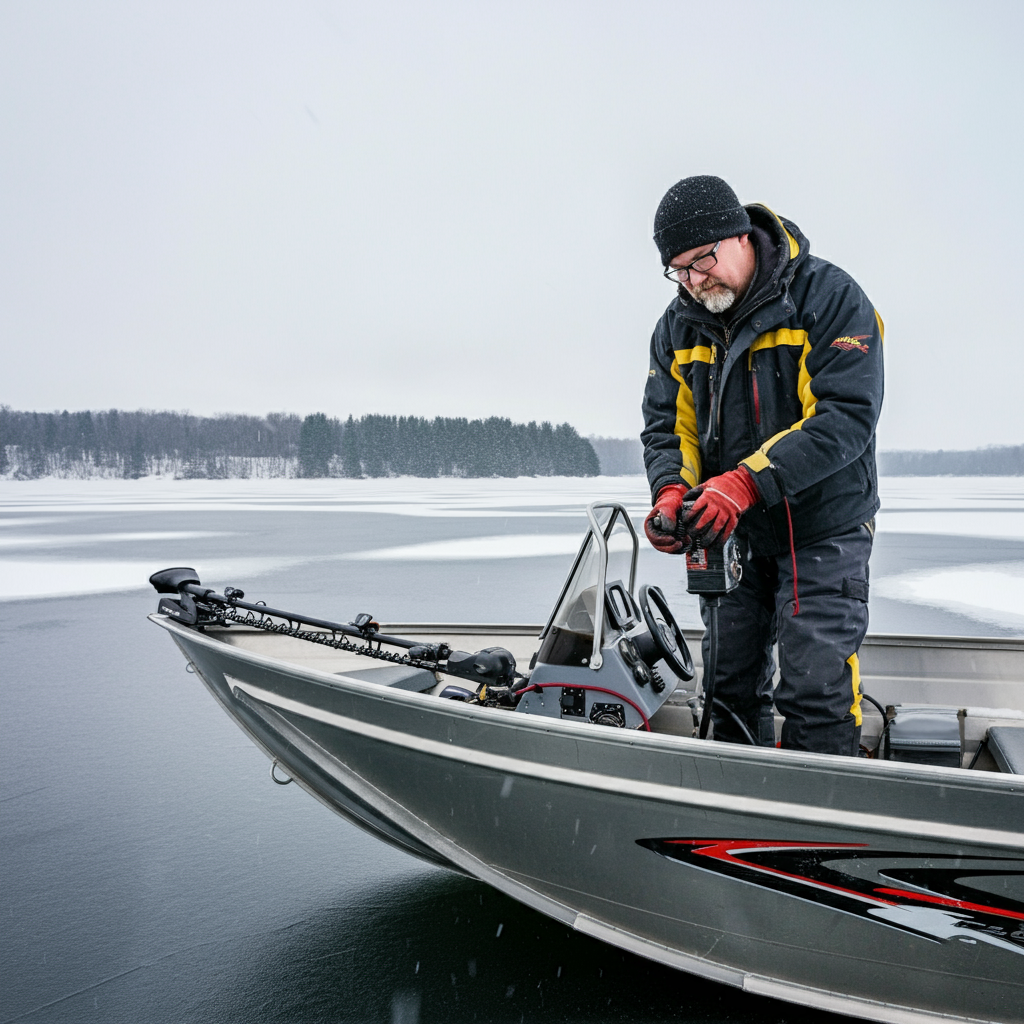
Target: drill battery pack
[
  {"x": 715, "y": 570},
  {"x": 712, "y": 571}
]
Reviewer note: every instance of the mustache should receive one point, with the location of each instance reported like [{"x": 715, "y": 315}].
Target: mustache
[
  {"x": 697, "y": 291},
  {"x": 706, "y": 286}
]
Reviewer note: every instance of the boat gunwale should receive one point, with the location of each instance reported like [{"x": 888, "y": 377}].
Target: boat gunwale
[{"x": 690, "y": 632}]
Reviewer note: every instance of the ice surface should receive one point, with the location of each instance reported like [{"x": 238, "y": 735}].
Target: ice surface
[
  {"x": 959, "y": 523},
  {"x": 18, "y": 522},
  {"x": 953, "y": 506},
  {"x": 62, "y": 540},
  {"x": 25, "y": 579},
  {"x": 524, "y": 496},
  {"x": 969, "y": 507},
  {"x": 956, "y": 498},
  {"x": 952, "y": 492},
  {"x": 990, "y": 595},
  {"x": 526, "y": 545}
]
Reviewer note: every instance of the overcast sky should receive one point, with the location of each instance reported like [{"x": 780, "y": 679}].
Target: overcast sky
[{"x": 445, "y": 208}]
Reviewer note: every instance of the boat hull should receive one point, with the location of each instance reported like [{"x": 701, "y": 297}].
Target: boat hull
[{"x": 769, "y": 870}]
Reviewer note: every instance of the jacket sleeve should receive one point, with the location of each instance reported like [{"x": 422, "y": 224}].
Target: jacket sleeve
[
  {"x": 840, "y": 388},
  {"x": 671, "y": 444}
]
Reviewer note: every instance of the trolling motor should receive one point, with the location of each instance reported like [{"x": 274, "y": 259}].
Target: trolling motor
[
  {"x": 493, "y": 670},
  {"x": 711, "y": 572}
]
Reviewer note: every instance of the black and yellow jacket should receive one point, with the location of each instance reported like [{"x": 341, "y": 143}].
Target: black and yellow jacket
[{"x": 790, "y": 387}]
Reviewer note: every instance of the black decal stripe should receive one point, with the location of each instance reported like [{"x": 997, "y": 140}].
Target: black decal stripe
[{"x": 813, "y": 872}]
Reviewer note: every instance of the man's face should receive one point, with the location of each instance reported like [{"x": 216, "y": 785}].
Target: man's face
[{"x": 725, "y": 283}]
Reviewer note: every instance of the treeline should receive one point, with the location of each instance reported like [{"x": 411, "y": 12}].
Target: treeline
[
  {"x": 1003, "y": 460},
  {"x": 135, "y": 444},
  {"x": 619, "y": 456}
]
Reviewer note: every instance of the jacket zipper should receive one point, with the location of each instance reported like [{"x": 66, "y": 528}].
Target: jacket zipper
[
  {"x": 716, "y": 411},
  {"x": 713, "y": 389},
  {"x": 757, "y": 397},
  {"x": 716, "y": 402}
]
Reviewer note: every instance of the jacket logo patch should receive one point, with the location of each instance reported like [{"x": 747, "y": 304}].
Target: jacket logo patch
[{"x": 848, "y": 343}]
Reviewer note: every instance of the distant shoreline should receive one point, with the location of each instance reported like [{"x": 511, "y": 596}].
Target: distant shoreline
[
  {"x": 624, "y": 456},
  {"x": 116, "y": 444},
  {"x": 113, "y": 444}
]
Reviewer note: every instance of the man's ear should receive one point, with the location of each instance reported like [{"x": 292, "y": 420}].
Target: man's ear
[{"x": 743, "y": 239}]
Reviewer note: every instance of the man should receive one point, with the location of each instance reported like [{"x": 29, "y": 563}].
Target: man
[{"x": 764, "y": 390}]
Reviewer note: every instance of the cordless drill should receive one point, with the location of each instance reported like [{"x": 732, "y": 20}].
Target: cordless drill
[{"x": 710, "y": 571}]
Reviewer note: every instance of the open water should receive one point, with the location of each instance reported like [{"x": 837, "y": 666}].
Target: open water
[{"x": 150, "y": 870}]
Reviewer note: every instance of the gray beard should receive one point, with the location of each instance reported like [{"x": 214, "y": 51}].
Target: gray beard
[{"x": 717, "y": 301}]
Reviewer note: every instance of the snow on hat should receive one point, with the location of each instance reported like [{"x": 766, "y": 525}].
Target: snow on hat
[{"x": 697, "y": 211}]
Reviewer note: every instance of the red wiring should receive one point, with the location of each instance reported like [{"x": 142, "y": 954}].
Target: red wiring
[
  {"x": 792, "y": 552},
  {"x": 598, "y": 689}
]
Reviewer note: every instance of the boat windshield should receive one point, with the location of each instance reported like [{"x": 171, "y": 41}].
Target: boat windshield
[{"x": 577, "y": 609}]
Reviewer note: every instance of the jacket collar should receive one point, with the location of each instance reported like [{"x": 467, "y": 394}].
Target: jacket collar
[{"x": 782, "y": 245}]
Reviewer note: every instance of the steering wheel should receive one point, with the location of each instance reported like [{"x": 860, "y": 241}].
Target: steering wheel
[{"x": 665, "y": 632}]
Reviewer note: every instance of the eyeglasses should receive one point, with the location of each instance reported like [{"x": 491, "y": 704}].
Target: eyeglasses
[{"x": 701, "y": 265}]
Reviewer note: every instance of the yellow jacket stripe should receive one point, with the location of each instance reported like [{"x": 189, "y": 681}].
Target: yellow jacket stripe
[
  {"x": 794, "y": 245},
  {"x": 774, "y": 339},
  {"x": 697, "y": 354},
  {"x": 686, "y": 424},
  {"x": 759, "y": 460}
]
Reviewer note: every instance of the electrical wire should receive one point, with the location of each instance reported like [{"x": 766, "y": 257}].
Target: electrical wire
[
  {"x": 708, "y": 679},
  {"x": 871, "y": 700},
  {"x": 885, "y": 725},
  {"x": 741, "y": 725}
]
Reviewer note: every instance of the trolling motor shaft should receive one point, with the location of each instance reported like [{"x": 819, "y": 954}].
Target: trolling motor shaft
[{"x": 196, "y": 605}]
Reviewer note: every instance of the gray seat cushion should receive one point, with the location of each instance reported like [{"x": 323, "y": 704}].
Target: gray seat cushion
[{"x": 1006, "y": 745}]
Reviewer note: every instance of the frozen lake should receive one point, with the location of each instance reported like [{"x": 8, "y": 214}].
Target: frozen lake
[
  {"x": 150, "y": 869},
  {"x": 949, "y": 556}
]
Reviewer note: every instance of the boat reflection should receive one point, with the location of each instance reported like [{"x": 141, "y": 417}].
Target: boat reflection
[{"x": 438, "y": 946}]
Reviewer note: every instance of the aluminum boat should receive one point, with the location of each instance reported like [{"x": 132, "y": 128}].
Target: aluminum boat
[{"x": 888, "y": 887}]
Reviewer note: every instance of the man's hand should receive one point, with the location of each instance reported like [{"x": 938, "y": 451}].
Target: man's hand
[
  {"x": 663, "y": 520},
  {"x": 718, "y": 505}
]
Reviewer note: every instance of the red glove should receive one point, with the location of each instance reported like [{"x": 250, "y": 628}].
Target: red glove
[
  {"x": 666, "y": 514},
  {"x": 718, "y": 505}
]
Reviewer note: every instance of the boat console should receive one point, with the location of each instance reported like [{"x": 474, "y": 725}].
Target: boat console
[{"x": 608, "y": 654}]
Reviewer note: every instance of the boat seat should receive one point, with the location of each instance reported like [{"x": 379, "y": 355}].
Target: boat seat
[
  {"x": 401, "y": 677},
  {"x": 1006, "y": 745}
]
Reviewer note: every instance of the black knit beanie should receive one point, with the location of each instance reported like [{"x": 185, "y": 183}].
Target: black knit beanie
[{"x": 697, "y": 211}]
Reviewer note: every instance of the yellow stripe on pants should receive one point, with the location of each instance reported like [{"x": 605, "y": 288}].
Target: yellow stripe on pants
[{"x": 854, "y": 662}]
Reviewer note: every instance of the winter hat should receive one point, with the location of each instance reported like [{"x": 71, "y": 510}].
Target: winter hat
[{"x": 697, "y": 211}]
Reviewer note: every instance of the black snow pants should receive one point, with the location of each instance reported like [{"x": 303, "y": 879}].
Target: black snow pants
[{"x": 819, "y": 690}]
